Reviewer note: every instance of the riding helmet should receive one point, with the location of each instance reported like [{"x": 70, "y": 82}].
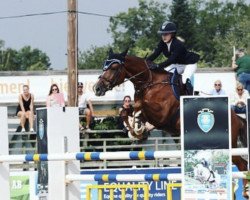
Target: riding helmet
[{"x": 167, "y": 27}]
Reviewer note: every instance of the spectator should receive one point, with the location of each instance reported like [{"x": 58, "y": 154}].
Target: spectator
[
  {"x": 55, "y": 98},
  {"x": 239, "y": 100},
  {"x": 126, "y": 111},
  {"x": 217, "y": 89},
  {"x": 242, "y": 68},
  {"x": 85, "y": 106},
  {"x": 25, "y": 108}
]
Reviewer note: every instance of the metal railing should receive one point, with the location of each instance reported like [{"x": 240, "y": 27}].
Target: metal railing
[{"x": 25, "y": 143}]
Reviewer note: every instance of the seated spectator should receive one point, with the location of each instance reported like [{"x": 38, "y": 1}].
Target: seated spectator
[
  {"x": 25, "y": 108},
  {"x": 241, "y": 64},
  {"x": 85, "y": 106},
  {"x": 217, "y": 89},
  {"x": 126, "y": 111},
  {"x": 55, "y": 98},
  {"x": 239, "y": 100}
]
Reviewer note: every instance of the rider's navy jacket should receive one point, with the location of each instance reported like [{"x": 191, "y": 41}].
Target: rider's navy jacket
[{"x": 178, "y": 53}]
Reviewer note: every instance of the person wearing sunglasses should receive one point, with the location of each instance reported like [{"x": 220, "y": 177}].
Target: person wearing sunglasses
[
  {"x": 55, "y": 98},
  {"x": 217, "y": 90},
  {"x": 85, "y": 106},
  {"x": 125, "y": 112},
  {"x": 178, "y": 57},
  {"x": 239, "y": 100}
]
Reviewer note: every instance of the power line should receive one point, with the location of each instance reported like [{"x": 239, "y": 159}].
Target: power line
[
  {"x": 32, "y": 15},
  {"x": 53, "y": 13},
  {"x": 94, "y": 14}
]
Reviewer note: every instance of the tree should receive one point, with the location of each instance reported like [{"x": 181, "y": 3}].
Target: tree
[
  {"x": 210, "y": 28},
  {"x": 93, "y": 58},
  {"x": 136, "y": 29},
  {"x": 29, "y": 59},
  {"x": 215, "y": 21},
  {"x": 139, "y": 26},
  {"x": 24, "y": 59},
  {"x": 9, "y": 61},
  {"x": 183, "y": 15}
]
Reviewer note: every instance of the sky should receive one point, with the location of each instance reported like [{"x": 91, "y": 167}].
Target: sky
[{"x": 49, "y": 32}]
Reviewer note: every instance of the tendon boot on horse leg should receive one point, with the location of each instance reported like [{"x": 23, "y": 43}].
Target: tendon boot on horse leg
[{"x": 139, "y": 126}]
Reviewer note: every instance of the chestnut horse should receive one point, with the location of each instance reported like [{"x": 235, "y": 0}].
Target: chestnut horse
[{"x": 155, "y": 101}]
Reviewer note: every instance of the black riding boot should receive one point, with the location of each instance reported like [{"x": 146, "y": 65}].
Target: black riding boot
[{"x": 189, "y": 87}]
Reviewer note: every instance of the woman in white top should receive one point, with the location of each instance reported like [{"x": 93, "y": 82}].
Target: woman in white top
[
  {"x": 55, "y": 98},
  {"x": 239, "y": 100}
]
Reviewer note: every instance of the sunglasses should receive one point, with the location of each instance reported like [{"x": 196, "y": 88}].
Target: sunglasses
[
  {"x": 54, "y": 89},
  {"x": 239, "y": 89},
  {"x": 217, "y": 84}
]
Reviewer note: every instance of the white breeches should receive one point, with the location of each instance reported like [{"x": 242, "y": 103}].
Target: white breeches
[{"x": 186, "y": 71}]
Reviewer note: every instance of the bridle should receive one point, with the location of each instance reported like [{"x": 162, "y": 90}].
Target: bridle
[
  {"x": 113, "y": 82},
  {"x": 107, "y": 65}
]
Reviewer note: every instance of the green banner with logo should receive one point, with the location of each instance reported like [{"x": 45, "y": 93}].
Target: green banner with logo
[{"x": 20, "y": 188}]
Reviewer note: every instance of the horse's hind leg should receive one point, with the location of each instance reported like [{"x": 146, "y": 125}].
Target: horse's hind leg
[{"x": 242, "y": 166}]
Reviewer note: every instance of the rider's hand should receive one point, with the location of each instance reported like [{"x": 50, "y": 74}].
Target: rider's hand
[{"x": 153, "y": 66}]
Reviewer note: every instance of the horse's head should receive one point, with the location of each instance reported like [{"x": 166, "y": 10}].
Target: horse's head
[{"x": 113, "y": 73}]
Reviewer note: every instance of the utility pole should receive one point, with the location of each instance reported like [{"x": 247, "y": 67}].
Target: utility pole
[{"x": 72, "y": 52}]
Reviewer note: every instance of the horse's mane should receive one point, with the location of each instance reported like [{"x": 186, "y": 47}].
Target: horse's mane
[{"x": 157, "y": 71}]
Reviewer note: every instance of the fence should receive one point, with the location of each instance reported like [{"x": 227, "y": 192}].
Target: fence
[{"x": 123, "y": 188}]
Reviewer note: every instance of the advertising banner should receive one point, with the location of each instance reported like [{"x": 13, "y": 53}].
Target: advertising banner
[
  {"x": 42, "y": 148},
  {"x": 11, "y": 87},
  {"x": 157, "y": 188},
  {"x": 206, "y": 139},
  {"x": 23, "y": 185}
]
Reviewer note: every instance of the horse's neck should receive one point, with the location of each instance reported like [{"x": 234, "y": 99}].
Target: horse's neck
[{"x": 136, "y": 67}]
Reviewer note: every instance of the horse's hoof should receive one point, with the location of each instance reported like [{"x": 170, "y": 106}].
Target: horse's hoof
[{"x": 245, "y": 195}]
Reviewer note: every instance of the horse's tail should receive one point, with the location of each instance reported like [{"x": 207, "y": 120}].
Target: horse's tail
[{"x": 243, "y": 131}]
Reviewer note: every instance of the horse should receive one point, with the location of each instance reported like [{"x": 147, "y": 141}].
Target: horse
[
  {"x": 206, "y": 176},
  {"x": 155, "y": 101}
]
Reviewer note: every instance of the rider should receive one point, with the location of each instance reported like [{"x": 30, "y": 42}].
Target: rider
[
  {"x": 205, "y": 164},
  {"x": 178, "y": 56}
]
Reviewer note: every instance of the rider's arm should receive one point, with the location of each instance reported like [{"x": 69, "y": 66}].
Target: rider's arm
[
  {"x": 157, "y": 51},
  {"x": 173, "y": 58}
]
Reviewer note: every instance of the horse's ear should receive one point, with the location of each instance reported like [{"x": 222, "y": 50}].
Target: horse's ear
[
  {"x": 111, "y": 51},
  {"x": 125, "y": 52}
]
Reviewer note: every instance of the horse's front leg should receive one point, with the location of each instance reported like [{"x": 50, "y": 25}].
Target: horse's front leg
[
  {"x": 130, "y": 129},
  {"x": 139, "y": 125}
]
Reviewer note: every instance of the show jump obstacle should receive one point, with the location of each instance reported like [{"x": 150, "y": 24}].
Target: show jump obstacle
[{"x": 58, "y": 129}]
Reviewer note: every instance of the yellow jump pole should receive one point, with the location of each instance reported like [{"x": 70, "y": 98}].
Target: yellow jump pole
[
  {"x": 123, "y": 193},
  {"x": 170, "y": 186},
  {"x": 111, "y": 193},
  {"x": 134, "y": 193},
  {"x": 100, "y": 193},
  {"x": 88, "y": 197}
]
